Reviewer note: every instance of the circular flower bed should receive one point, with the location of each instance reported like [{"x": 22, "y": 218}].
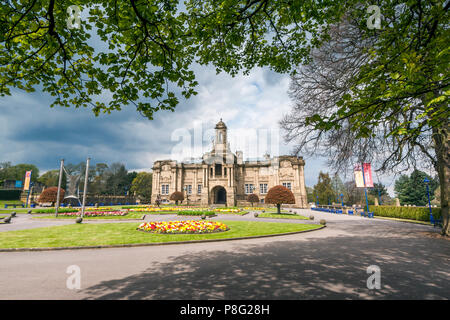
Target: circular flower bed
[{"x": 188, "y": 226}]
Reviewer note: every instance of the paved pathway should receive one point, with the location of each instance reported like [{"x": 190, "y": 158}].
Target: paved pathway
[{"x": 327, "y": 264}]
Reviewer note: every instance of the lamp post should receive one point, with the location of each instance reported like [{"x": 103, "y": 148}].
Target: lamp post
[
  {"x": 317, "y": 197},
  {"x": 428, "y": 195},
  {"x": 29, "y": 190}
]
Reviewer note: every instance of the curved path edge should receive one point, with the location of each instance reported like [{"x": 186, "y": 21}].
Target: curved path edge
[{"x": 154, "y": 243}]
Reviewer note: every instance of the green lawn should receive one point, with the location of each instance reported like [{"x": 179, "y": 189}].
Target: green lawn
[
  {"x": 274, "y": 210},
  {"x": 281, "y": 216},
  {"x": 134, "y": 215},
  {"x": 126, "y": 233}
]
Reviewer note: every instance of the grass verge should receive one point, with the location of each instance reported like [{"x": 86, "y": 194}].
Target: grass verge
[
  {"x": 281, "y": 216},
  {"x": 126, "y": 233}
]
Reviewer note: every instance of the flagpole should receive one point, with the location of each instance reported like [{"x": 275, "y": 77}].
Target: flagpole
[
  {"x": 365, "y": 188},
  {"x": 59, "y": 187}
]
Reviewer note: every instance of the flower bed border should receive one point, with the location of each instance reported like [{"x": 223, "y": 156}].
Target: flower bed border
[{"x": 170, "y": 233}]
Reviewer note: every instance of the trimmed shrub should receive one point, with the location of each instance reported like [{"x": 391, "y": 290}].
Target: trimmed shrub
[
  {"x": 177, "y": 196},
  {"x": 253, "y": 198},
  {"x": 49, "y": 195},
  {"x": 279, "y": 195},
  {"x": 411, "y": 213}
]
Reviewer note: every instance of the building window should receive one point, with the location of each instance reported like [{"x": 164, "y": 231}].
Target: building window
[
  {"x": 218, "y": 170},
  {"x": 225, "y": 172},
  {"x": 248, "y": 188},
  {"x": 287, "y": 185},
  {"x": 263, "y": 188},
  {"x": 262, "y": 200},
  {"x": 165, "y": 189},
  {"x": 199, "y": 189},
  {"x": 211, "y": 172}
]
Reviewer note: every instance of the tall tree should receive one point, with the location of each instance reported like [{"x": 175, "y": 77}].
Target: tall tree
[
  {"x": 324, "y": 189},
  {"x": 338, "y": 188},
  {"x": 379, "y": 96},
  {"x": 142, "y": 185},
  {"x": 412, "y": 190},
  {"x": 17, "y": 172}
]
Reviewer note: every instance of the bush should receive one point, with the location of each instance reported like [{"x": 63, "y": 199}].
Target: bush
[
  {"x": 49, "y": 195},
  {"x": 177, "y": 196},
  {"x": 323, "y": 222},
  {"x": 411, "y": 213},
  {"x": 279, "y": 195},
  {"x": 253, "y": 198}
]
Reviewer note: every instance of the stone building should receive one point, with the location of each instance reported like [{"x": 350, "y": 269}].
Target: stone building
[{"x": 223, "y": 178}]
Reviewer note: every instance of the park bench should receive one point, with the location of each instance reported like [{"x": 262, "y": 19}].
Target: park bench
[{"x": 14, "y": 205}]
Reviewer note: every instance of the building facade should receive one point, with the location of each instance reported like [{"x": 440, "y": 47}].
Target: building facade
[{"x": 223, "y": 178}]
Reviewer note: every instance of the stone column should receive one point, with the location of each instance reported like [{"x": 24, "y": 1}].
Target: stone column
[
  {"x": 173, "y": 183},
  {"x": 302, "y": 185},
  {"x": 256, "y": 170}
]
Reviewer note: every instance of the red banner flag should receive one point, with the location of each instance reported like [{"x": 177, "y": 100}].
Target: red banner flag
[{"x": 368, "y": 175}]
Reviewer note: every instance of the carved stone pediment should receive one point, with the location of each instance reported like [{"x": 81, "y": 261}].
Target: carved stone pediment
[{"x": 286, "y": 169}]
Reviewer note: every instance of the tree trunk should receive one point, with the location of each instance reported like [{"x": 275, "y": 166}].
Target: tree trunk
[
  {"x": 278, "y": 208},
  {"x": 441, "y": 140}
]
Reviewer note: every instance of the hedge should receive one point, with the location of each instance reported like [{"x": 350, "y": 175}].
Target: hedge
[
  {"x": 60, "y": 210},
  {"x": 412, "y": 213},
  {"x": 10, "y": 194}
]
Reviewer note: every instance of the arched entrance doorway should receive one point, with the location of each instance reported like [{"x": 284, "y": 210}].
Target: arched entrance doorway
[{"x": 220, "y": 195}]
